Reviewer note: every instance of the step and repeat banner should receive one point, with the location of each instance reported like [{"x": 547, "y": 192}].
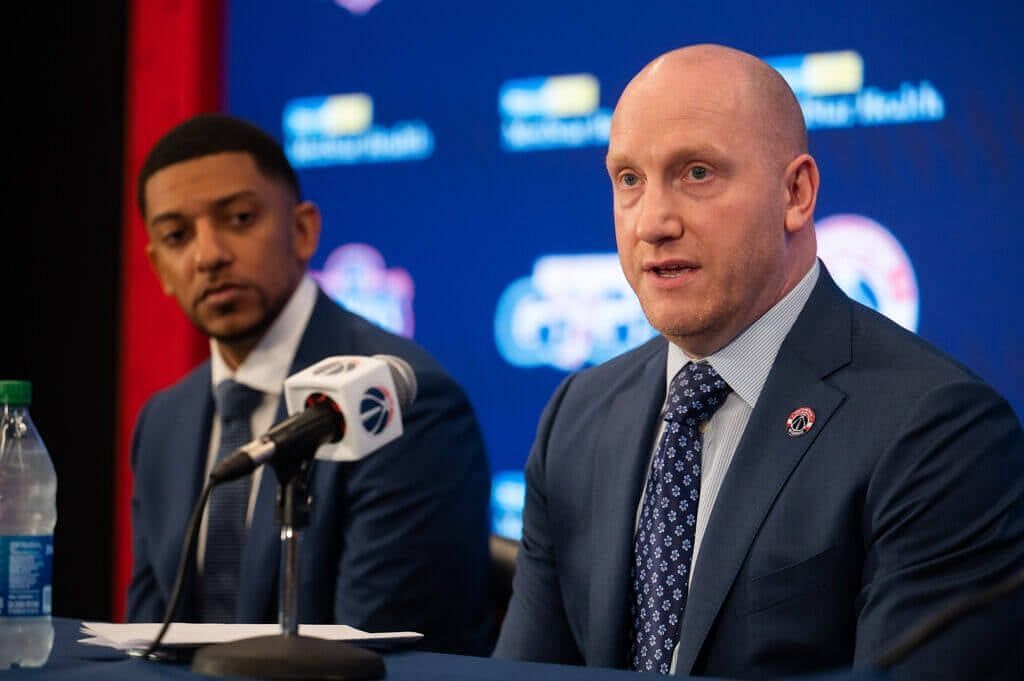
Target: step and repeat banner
[{"x": 456, "y": 150}]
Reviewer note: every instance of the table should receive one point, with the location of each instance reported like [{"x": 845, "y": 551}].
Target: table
[{"x": 71, "y": 661}]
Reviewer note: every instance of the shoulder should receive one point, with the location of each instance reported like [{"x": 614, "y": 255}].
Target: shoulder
[
  {"x": 173, "y": 409},
  {"x": 182, "y": 392},
  {"x": 900, "y": 361},
  {"x": 590, "y": 394},
  {"x": 907, "y": 402},
  {"x": 334, "y": 330},
  {"x": 610, "y": 377},
  {"x": 170, "y": 412},
  {"x": 358, "y": 336},
  {"x": 925, "y": 389},
  {"x": 862, "y": 352},
  {"x": 628, "y": 361}
]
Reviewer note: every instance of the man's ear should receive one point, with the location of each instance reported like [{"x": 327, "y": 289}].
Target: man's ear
[
  {"x": 801, "y": 177},
  {"x": 306, "y": 230},
  {"x": 157, "y": 265}
]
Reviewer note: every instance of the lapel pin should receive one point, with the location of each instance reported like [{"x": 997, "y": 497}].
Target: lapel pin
[{"x": 800, "y": 421}]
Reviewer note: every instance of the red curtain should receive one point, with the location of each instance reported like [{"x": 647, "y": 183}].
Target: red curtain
[{"x": 175, "y": 69}]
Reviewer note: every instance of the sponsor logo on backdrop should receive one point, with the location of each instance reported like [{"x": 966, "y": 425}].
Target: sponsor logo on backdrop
[
  {"x": 340, "y": 130},
  {"x": 870, "y": 265},
  {"x": 508, "y": 494},
  {"x": 553, "y": 112},
  {"x": 832, "y": 93},
  {"x": 356, "y": 276},
  {"x": 358, "y": 7},
  {"x": 571, "y": 311}
]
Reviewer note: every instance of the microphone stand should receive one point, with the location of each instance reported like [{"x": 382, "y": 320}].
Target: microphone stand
[{"x": 288, "y": 655}]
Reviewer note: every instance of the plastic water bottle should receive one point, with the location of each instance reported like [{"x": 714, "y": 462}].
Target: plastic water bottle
[{"x": 28, "y": 513}]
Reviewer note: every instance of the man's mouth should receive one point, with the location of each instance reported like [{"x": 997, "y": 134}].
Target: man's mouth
[
  {"x": 671, "y": 271},
  {"x": 219, "y": 293}
]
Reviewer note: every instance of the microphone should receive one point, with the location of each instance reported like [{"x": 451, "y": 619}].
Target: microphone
[{"x": 342, "y": 408}]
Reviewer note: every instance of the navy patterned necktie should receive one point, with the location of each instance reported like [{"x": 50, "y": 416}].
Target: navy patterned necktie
[
  {"x": 663, "y": 546},
  {"x": 225, "y": 520}
]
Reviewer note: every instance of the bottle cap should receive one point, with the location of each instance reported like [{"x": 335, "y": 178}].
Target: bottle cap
[{"x": 16, "y": 392}]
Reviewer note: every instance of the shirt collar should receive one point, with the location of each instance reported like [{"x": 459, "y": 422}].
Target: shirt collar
[
  {"x": 745, "y": 362},
  {"x": 266, "y": 367}
]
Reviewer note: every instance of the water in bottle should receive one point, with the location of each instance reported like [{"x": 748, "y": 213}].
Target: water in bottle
[{"x": 28, "y": 513}]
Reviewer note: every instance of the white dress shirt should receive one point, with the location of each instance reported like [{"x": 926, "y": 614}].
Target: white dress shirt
[{"x": 264, "y": 369}]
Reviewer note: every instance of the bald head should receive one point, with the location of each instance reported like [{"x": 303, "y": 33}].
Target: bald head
[
  {"x": 755, "y": 91},
  {"x": 713, "y": 193}
]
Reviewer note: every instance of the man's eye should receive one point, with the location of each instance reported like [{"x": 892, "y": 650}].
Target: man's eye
[
  {"x": 630, "y": 179},
  {"x": 174, "y": 237},
  {"x": 699, "y": 173},
  {"x": 241, "y": 217}
]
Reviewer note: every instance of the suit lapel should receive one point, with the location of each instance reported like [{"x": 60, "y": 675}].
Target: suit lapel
[
  {"x": 620, "y": 468},
  {"x": 818, "y": 344}
]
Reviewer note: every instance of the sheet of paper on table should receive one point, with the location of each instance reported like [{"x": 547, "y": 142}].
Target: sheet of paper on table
[{"x": 135, "y": 636}]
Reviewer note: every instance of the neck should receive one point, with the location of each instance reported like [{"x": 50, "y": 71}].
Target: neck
[
  {"x": 235, "y": 349},
  {"x": 234, "y": 352},
  {"x": 695, "y": 349}
]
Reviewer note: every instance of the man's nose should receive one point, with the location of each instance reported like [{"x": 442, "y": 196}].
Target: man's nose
[
  {"x": 211, "y": 250},
  {"x": 659, "y": 218}
]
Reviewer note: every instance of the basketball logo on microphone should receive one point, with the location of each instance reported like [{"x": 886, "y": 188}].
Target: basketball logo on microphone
[{"x": 375, "y": 410}]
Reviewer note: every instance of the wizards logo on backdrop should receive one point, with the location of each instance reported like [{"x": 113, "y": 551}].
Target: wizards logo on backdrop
[
  {"x": 356, "y": 276},
  {"x": 553, "y": 112},
  {"x": 340, "y": 130},
  {"x": 830, "y": 87},
  {"x": 571, "y": 311}
]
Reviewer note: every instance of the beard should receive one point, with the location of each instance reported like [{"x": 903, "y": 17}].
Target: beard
[{"x": 242, "y": 322}]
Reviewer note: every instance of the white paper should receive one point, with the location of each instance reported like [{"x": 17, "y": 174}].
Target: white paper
[{"x": 136, "y": 636}]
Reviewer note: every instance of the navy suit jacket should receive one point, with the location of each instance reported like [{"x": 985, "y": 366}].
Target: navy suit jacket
[
  {"x": 821, "y": 550},
  {"x": 397, "y": 541}
]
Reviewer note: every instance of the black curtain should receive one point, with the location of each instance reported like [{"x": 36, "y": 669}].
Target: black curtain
[{"x": 61, "y": 259}]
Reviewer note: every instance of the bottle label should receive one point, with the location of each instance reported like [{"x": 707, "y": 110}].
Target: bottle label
[{"x": 26, "y": 575}]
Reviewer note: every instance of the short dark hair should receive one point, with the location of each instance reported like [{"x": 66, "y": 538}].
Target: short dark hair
[{"x": 215, "y": 133}]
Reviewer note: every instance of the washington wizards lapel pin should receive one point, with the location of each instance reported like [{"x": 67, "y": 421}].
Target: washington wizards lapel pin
[{"x": 800, "y": 421}]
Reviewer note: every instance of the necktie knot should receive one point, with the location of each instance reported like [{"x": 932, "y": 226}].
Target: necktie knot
[
  {"x": 695, "y": 394},
  {"x": 236, "y": 401}
]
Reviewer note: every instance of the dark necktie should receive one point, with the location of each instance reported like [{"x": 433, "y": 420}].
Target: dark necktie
[
  {"x": 663, "y": 546},
  {"x": 225, "y": 520}
]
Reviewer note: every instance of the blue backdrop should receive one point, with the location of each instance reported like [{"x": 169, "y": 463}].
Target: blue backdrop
[{"x": 456, "y": 151}]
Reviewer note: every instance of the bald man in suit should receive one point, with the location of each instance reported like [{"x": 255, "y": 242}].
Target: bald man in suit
[{"x": 784, "y": 481}]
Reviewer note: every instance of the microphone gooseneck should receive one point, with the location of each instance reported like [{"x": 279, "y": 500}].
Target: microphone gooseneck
[{"x": 320, "y": 422}]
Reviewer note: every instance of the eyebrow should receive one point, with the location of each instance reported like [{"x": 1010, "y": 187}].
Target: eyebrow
[
  {"x": 617, "y": 160},
  {"x": 174, "y": 216}
]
